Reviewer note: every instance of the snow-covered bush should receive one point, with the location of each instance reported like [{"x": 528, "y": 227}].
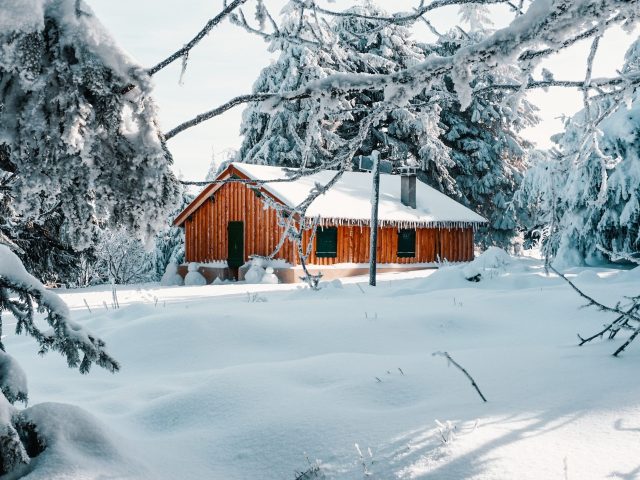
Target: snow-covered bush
[
  {"x": 194, "y": 277},
  {"x": 269, "y": 276},
  {"x": 19, "y": 291},
  {"x": 122, "y": 259},
  {"x": 256, "y": 270},
  {"x": 169, "y": 242},
  {"x": 171, "y": 277}
]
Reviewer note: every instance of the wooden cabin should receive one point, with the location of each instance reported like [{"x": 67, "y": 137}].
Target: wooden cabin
[{"x": 228, "y": 222}]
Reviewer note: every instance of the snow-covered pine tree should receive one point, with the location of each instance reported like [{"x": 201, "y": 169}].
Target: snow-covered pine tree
[
  {"x": 475, "y": 155},
  {"x": 409, "y": 133},
  {"x": 595, "y": 198},
  {"x": 283, "y": 136},
  {"x": 74, "y": 143},
  {"x": 488, "y": 156},
  {"x": 22, "y": 295}
]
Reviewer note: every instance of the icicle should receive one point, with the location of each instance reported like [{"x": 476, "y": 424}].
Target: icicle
[{"x": 185, "y": 59}]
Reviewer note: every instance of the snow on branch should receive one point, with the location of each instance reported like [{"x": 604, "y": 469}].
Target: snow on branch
[
  {"x": 552, "y": 23},
  {"x": 195, "y": 40},
  {"x": 622, "y": 321},
  {"x": 18, "y": 292},
  {"x": 402, "y": 18}
]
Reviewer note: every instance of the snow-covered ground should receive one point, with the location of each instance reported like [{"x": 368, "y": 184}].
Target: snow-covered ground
[{"x": 247, "y": 381}]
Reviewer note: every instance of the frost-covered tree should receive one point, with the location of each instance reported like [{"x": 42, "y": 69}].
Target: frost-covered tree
[
  {"x": 487, "y": 156},
  {"x": 122, "y": 259},
  {"x": 290, "y": 134},
  {"x": 169, "y": 242},
  {"x": 72, "y": 143},
  {"x": 586, "y": 193},
  {"x": 79, "y": 150},
  {"x": 474, "y": 155}
]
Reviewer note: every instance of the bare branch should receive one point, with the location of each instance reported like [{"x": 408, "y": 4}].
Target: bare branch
[
  {"x": 617, "y": 324},
  {"x": 254, "y": 97},
  {"x": 195, "y": 40},
  {"x": 461, "y": 368},
  {"x": 403, "y": 19}
]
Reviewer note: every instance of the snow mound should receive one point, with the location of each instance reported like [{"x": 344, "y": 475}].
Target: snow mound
[
  {"x": 493, "y": 259},
  {"x": 77, "y": 446},
  {"x": 171, "y": 276},
  {"x": 269, "y": 276},
  {"x": 194, "y": 278},
  {"x": 261, "y": 271}
]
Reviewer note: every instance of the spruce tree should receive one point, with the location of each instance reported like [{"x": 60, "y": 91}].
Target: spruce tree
[
  {"x": 596, "y": 193},
  {"x": 476, "y": 155}
]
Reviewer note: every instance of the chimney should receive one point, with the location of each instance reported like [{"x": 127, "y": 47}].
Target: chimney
[{"x": 408, "y": 188}]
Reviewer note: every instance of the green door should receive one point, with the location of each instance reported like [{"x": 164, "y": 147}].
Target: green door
[{"x": 235, "y": 237}]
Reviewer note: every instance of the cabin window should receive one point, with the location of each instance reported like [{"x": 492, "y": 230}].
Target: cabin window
[
  {"x": 326, "y": 242},
  {"x": 406, "y": 242}
]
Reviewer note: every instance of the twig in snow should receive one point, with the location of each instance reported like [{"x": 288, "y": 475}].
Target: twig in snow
[
  {"x": 363, "y": 461},
  {"x": 459, "y": 367},
  {"x": 401, "y": 372},
  {"x": 622, "y": 321},
  {"x": 105, "y": 305},
  {"x": 378, "y": 379},
  {"x": 87, "y": 305}
]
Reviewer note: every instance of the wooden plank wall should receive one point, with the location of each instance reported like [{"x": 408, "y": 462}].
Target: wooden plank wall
[
  {"x": 206, "y": 230},
  {"x": 206, "y": 235},
  {"x": 454, "y": 245}
]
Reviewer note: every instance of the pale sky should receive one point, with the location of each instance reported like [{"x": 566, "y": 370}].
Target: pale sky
[{"x": 227, "y": 62}]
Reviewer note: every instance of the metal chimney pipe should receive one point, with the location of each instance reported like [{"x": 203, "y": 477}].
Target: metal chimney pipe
[{"x": 408, "y": 189}]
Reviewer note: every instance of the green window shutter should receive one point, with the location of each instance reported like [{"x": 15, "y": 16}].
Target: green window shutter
[
  {"x": 406, "y": 243},
  {"x": 327, "y": 242}
]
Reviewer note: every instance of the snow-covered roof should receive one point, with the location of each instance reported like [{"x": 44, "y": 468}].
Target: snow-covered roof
[{"x": 349, "y": 200}]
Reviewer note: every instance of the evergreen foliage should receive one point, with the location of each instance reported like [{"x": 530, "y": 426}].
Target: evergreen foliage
[
  {"x": 77, "y": 154},
  {"x": 586, "y": 193},
  {"x": 474, "y": 155}
]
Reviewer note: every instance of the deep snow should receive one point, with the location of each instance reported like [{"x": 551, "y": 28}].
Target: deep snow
[{"x": 240, "y": 381}]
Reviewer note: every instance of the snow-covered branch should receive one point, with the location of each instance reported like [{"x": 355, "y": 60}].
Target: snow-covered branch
[
  {"x": 229, "y": 8},
  {"x": 543, "y": 23}
]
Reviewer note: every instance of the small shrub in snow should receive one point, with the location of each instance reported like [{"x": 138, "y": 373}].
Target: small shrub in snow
[
  {"x": 256, "y": 270},
  {"x": 171, "y": 277},
  {"x": 269, "y": 277},
  {"x": 365, "y": 462},
  {"x": 313, "y": 472},
  {"x": 194, "y": 277},
  {"x": 255, "y": 297}
]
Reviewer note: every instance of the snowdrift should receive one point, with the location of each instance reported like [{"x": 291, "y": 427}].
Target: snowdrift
[{"x": 246, "y": 381}]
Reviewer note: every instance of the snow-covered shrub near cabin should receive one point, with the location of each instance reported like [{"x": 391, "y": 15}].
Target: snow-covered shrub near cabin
[
  {"x": 171, "y": 277},
  {"x": 194, "y": 277},
  {"x": 256, "y": 270},
  {"x": 169, "y": 242},
  {"x": 269, "y": 276},
  {"x": 122, "y": 259},
  {"x": 22, "y": 296}
]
